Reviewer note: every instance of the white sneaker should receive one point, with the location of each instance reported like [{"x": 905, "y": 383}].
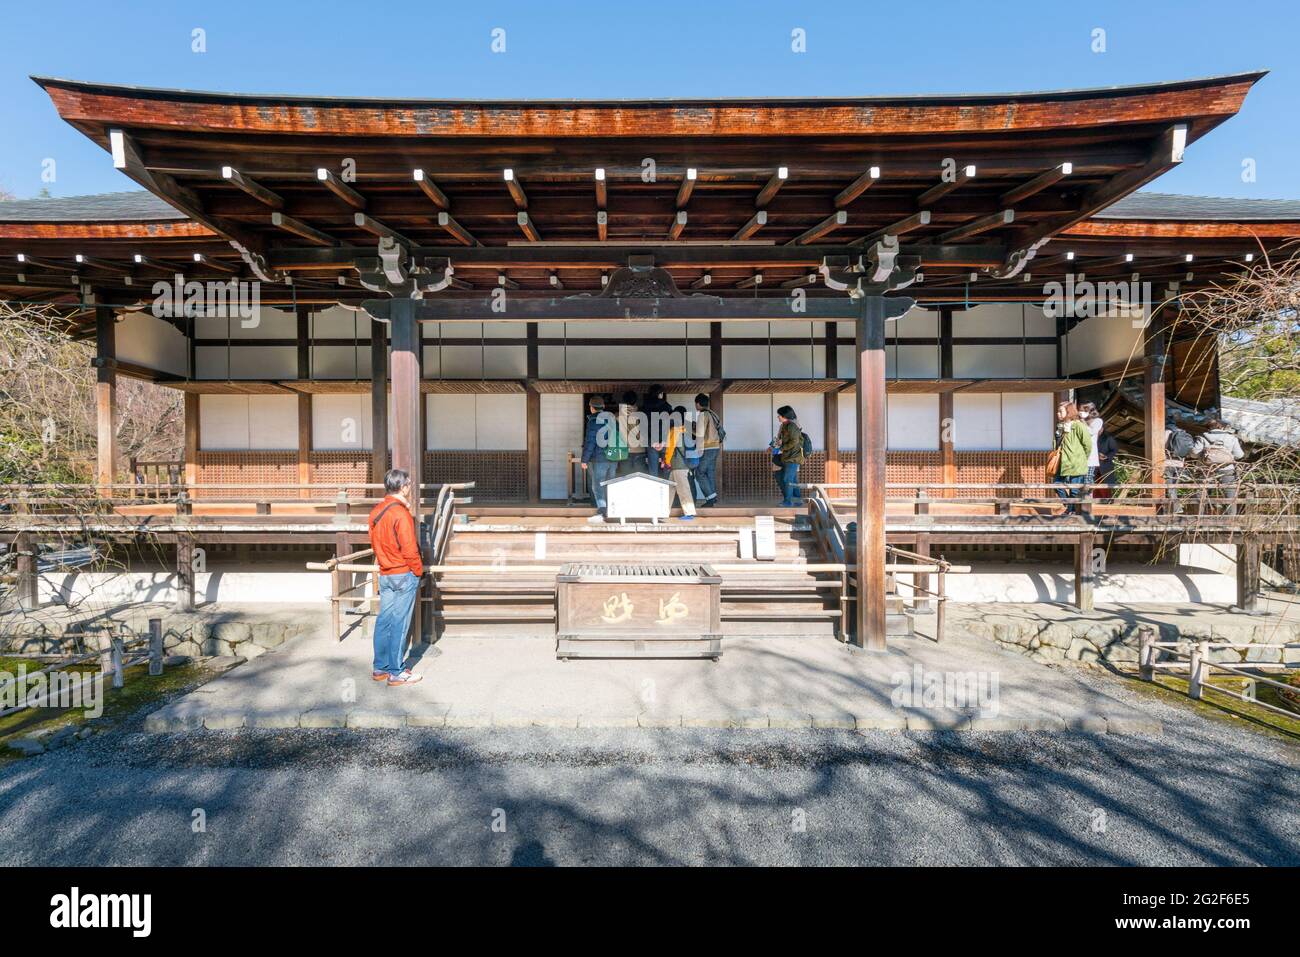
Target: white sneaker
[{"x": 596, "y": 519}]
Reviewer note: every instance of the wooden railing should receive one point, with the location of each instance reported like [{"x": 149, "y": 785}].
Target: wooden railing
[
  {"x": 832, "y": 537},
  {"x": 1186, "y": 501},
  {"x": 349, "y": 575},
  {"x": 1194, "y": 658}
]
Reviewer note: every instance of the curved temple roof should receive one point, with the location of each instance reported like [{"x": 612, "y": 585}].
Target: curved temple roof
[{"x": 751, "y": 193}]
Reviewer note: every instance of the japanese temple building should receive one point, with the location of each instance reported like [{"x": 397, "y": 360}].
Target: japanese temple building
[{"x": 884, "y": 265}]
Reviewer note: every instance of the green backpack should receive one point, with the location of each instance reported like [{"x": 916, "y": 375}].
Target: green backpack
[{"x": 617, "y": 450}]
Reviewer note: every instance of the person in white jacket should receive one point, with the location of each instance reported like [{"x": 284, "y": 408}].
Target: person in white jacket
[{"x": 1088, "y": 412}]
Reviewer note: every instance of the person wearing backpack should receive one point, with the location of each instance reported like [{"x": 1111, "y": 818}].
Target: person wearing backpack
[
  {"x": 789, "y": 449},
  {"x": 1221, "y": 450},
  {"x": 709, "y": 435},
  {"x": 596, "y": 450},
  {"x": 397, "y": 553},
  {"x": 658, "y": 415},
  {"x": 1179, "y": 447},
  {"x": 675, "y": 458},
  {"x": 631, "y": 426},
  {"x": 1075, "y": 446}
]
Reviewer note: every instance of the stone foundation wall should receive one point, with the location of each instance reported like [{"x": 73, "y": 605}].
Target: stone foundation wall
[
  {"x": 246, "y": 631},
  {"x": 1054, "y": 633}
]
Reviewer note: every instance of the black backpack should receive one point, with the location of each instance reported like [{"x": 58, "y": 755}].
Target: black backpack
[
  {"x": 807, "y": 443},
  {"x": 1180, "y": 444}
]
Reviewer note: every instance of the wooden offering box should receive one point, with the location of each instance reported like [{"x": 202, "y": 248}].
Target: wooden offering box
[{"x": 655, "y": 610}]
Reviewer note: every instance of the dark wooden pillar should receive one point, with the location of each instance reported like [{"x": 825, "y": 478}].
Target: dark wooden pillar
[
  {"x": 533, "y": 416},
  {"x": 105, "y": 398},
  {"x": 831, "y": 433},
  {"x": 304, "y": 443},
  {"x": 1083, "y": 578},
  {"x": 191, "y": 438},
  {"x": 947, "y": 450},
  {"x": 378, "y": 401},
  {"x": 1248, "y": 559},
  {"x": 1154, "y": 400},
  {"x": 870, "y": 554},
  {"x": 716, "y": 394},
  {"x": 404, "y": 363}
]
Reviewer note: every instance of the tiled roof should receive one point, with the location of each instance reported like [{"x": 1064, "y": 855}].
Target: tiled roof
[
  {"x": 133, "y": 206},
  {"x": 1174, "y": 206}
]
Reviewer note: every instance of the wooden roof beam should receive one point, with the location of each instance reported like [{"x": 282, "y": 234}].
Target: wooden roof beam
[
  {"x": 856, "y": 188},
  {"x": 340, "y": 189},
  {"x": 773, "y": 185},
  {"x": 756, "y": 222},
  {"x": 526, "y": 224},
  {"x": 216, "y": 264},
  {"x": 905, "y": 225},
  {"x": 1036, "y": 185},
  {"x": 753, "y": 282},
  {"x": 977, "y": 226},
  {"x": 505, "y": 282},
  {"x": 252, "y": 188},
  {"x": 299, "y": 228},
  {"x": 688, "y": 186},
  {"x": 26, "y": 260},
  {"x": 376, "y": 228},
  {"x": 679, "y": 224},
  {"x": 602, "y": 216},
  {"x": 102, "y": 264},
  {"x": 825, "y": 227},
  {"x": 516, "y": 190},
  {"x": 430, "y": 189},
  {"x": 461, "y": 234},
  {"x": 703, "y": 282},
  {"x": 934, "y": 193}
]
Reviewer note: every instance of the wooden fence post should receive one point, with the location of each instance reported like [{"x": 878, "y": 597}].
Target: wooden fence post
[
  {"x": 1083, "y": 572},
  {"x": 155, "y": 647},
  {"x": 1248, "y": 561},
  {"x": 116, "y": 656},
  {"x": 1200, "y": 651},
  {"x": 1147, "y": 656}
]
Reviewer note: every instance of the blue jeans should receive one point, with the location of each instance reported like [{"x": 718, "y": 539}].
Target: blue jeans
[
  {"x": 1070, "y": 487},
  {"x": 397, "y": 594},
  {"x": 789, "y": 476},
  {"x": 652, "y": 459},
  {"x": 601, "y": 471},
  {"x": 706, "y": 473}
]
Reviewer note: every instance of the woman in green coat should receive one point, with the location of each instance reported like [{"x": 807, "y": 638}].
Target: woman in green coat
[{"x": 1075, "y": 445}]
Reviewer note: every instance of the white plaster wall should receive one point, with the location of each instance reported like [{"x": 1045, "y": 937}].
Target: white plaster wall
[
  {"x": 271, "y": 324},
  {"x": 1027, "y": 421},
  {"x": 150, "y": 342},
  {"x": 1103, "y": 341},
  {"x": 977, "y": 422},
  {"x": 484, "y": 422},
  {"x": 340, "y": 422},
  {"x": 913, "y": 422},
  {"x": 249, "y": 362},
  {"x": 242, "y": 422}
]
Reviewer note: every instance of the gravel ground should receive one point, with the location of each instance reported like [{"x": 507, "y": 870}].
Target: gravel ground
[{"x": 1205, "y": 792}]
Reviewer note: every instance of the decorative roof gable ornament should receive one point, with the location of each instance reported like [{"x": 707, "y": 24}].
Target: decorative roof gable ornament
[{"x": 640, "y": 282}]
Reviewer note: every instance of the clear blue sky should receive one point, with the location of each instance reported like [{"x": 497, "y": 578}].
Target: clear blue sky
[{"x": 650, "y": 48}]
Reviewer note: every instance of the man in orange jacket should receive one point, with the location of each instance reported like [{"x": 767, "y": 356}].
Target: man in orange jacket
[{"x": 397, "y": 552}]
